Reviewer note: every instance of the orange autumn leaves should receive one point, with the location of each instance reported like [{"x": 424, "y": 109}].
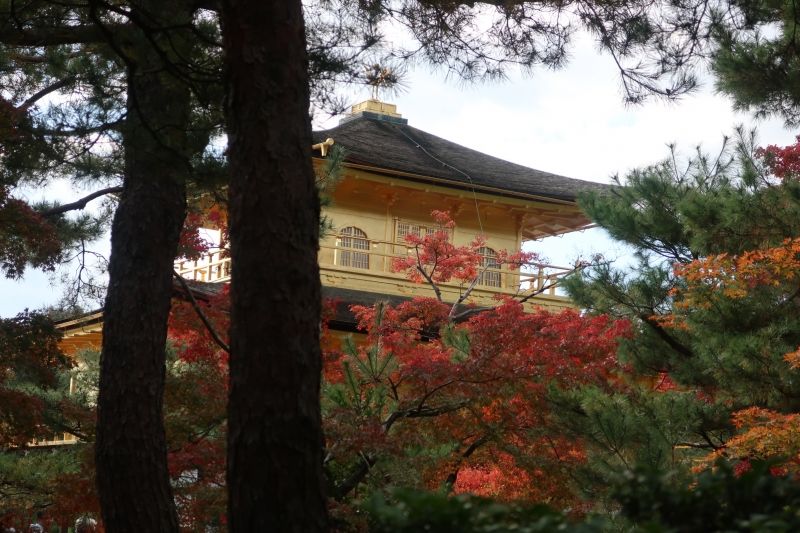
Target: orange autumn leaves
[
  {"x": 772, "y": 271},
  {"x": 735, "y": 276},
  {"x": 483, "y": 381},
  {"x": 764, "y": 435}
]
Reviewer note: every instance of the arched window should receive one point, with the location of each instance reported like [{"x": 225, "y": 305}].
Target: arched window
[
  {"x": 491, "y": 276},
  {"x": 352, "y": 239}
]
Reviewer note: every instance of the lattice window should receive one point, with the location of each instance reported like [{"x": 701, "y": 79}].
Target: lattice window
[
  {"x": 352, "y": 239},
  {"x": 491, "y": 277},
  {"x": 403, "y": 228}
]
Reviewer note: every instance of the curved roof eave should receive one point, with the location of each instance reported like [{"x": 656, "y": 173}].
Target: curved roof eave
[{"x": 417, "y": 155}]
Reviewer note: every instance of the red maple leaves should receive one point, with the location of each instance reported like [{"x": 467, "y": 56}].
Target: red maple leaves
[
  {"x": 427, "y": 392},
  {"x": 426, "y": 377}
]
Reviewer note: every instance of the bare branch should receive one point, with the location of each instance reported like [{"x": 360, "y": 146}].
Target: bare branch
[
  {"x": 465, "y": 295},
  {"x": 106, "y": 126},
  {"x": 79, "y": 204},
  {"x": 44, "y": 92},
  {"x": 355, "y": 477},
  {"x": 206, "y": 322},
  {"x": 450, "y": 481},
  {"x": 428, "y": 276},
  {"x": 463, "y": 315},
  {"x": 54, "y": 36},
  {"x": 423, "y": 412}
]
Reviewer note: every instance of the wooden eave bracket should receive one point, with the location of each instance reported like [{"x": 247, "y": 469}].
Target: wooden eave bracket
[{"x": 323, "y": 146}]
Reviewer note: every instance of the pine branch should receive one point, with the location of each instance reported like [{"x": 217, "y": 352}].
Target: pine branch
[
  {"x": 77, "y": 132},
  {"x": 44, "y": 92},
  {"x": 671, "y": 341},
  {"x": 54, "y": 36},
  {"x": 355, "y": 477},
  {"x": 79, "y": 204},
  {"x": 32, "y": 59}
]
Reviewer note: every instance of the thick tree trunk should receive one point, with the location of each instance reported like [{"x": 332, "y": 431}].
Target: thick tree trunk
[
  {"x": 275, "y": 477},
  {"x": 131, "y": 452}
]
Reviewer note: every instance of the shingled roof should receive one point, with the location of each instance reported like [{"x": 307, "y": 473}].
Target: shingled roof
[{"x": 400, "y": 147}]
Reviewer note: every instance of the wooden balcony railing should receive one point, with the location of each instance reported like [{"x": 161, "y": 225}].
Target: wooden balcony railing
[
  {"x": 376, "y": 259},
  {"x": 59, "y": 439},
  {"x": 211, "y": 267}
]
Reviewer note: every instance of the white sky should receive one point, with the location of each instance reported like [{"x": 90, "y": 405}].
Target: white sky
[{"x": 570, "y": 122}]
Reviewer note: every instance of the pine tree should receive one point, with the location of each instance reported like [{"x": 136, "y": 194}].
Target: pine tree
[
  {"x": 692, "y": 362},
  {"x": 103, "y": 94},
  {"x": 275, "y": 440},
  {"x": 126, "y": 100},
  {"x": 144, "y": 103}
]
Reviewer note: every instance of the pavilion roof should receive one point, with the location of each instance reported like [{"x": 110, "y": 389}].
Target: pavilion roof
[{"x": 398, "y": 147}]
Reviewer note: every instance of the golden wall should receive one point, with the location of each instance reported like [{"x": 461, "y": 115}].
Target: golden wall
[{"x": 376, "y": 207}]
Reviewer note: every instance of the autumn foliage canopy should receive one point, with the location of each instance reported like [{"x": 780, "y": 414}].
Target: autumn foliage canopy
[{"x": 687, "y": 364}]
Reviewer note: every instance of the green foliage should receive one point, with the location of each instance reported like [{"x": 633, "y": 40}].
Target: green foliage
[
  {"x": 679, "y": 210},
  {"x": 413, "y": 511},
  {"x": 33, "y": 478},
  {"x": 646, "y": 499},
  {"x": 715, "y": 500},
  {"x": 758, "y": 64},
  {"x": 36, "y": 479},
  {"x": 673, "y": 399},
  {"x": 327, "y": 178},
  {"x": 635, "y": 427}
]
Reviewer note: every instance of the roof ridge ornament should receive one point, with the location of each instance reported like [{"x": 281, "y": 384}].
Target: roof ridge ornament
[
  {"x": 380, "y": 77},
  {"x": 375, "y": 110}
]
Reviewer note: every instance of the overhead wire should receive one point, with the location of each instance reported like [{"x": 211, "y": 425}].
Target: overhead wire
[{"x": 451, "y": 167}]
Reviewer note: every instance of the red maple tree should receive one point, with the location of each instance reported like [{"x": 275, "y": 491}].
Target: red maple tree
[
  {"x": 432, "y": 393},
  {"x": 456, "y": 392}
]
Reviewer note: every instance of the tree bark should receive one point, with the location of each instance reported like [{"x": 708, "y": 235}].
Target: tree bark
[
  {"x": 275, "y": 478},
  {"x": 131, "y": 453}
]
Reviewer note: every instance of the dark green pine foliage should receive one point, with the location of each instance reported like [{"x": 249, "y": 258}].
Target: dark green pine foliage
[
  {"x": 757, "y": 63},
  {"x": 676, "y": 388},
  {"x": 410, "y": 511},
  {"x": 750, "y": 45},
  {"x": 124, "y": 99},
  {"x": 645, "y": 500},
  {"x": 64, "y": 77},
  {"x": 716, "y": 500},
  {"x": 64, "y": 71},
  {"x": 327, "y": 177}
]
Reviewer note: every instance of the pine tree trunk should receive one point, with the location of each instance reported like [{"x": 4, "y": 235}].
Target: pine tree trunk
[
  {"x": 275, "y": 437},
  {"x": 130, "y": 451}
]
